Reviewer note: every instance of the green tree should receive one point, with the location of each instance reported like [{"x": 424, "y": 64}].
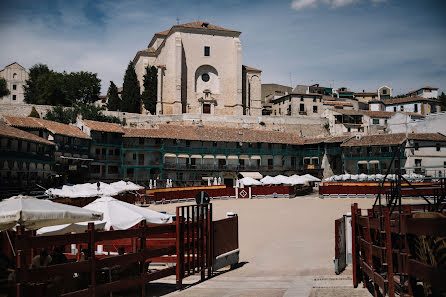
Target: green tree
[
  {"x": 81, "y": 87},
  {"x": 31, "y": 89},
  {"x": 442, "y": 99},
  {"x": 131, "y": 94},
  {"x": 3, "y": 87},
  {"x": 68, "y": 115},
  {"x": 114, "y": 102},
  {"x": 149, "y": 95},
  {"x": 34, "y": 113},
  {"x": 50, "y": 87}
]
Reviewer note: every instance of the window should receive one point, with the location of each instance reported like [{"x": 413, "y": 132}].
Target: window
[
  {"x": 187, "y": 143},
  {"x": 314, "y": 99},
  {"x": 302, "y": 108},
  {"x": 14, "y": 75},
  {"x": 373, "y": 97},
  {"x": 205, "y": 77},
  {"x": 375, "y": 121},
  {"x": 384, "y": 92},
  {"x": 417, "y": 162},
  {"x": 402, "y": 107},
  {"x": 348, "y": 129},
  {"x": 134, "y": 156},
  {"x": 206, "y": 108},
  {"x": 302, "y": 98},
  {"x": 207, "y": 51},
  {"x": 315, "y": 108},
  {"x": 214, "y": 144},
  {"x": 438, "y": 147},
  {"x": 141, "y": 141},
  {"x": 14, "y": 97},
  {"x": 270, "y": 163},
  {"x": 394, "y": 109},
  {"x": 415, "y": 108},
  {"x": 417, "y": 146},
  {"x": 14, "y": 87}
]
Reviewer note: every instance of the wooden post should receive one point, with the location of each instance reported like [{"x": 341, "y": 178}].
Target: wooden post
[
  {"x": 20, "y": 265},
  {"x": 142, "y": 263},
  {"x": 202, "y": 254},
  {"x": 390, "y": 280},
  {"x": 354, "y": 251},
  {"x": 210, "y": 255},
  {"x": 180, "y": 254},
  {"x": 91, "y": 248}
]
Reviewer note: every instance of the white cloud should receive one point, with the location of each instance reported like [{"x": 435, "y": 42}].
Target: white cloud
[{"x": 302, "y": 4}]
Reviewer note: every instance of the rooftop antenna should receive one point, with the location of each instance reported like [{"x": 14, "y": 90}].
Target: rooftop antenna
[{"x": 178, "y": 20}]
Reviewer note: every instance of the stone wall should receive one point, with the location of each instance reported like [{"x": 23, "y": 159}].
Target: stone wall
[
  {"x": 300, "y": 125},
  {"x": 22, "y": 110}
]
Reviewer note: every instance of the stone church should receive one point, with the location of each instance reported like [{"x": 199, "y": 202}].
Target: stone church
[{"x": 200, "y": 71}]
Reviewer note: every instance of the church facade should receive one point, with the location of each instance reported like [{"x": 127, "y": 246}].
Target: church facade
[{"x": 200, "y": 71}]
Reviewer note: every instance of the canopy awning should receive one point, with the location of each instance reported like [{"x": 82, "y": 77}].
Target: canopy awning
[
  {"x": 220, "y": 157},
  {"x": 244, "y": 157},
  {"x": 208, "y": 157},
  {"x": 232, "y": 158},
  {"x": 169, "y": 155},
  {"x": 183, "y": 156},
  {"x": 254, "y": 175},
  {"x": 196, "y": 156},
  {"x": 362, "y": 162},
  {"x": 374, "y": 162},
  {"x": 255, "y": 157}
]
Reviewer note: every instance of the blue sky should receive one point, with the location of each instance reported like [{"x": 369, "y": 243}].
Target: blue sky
[{"x": 361, "y": 44}]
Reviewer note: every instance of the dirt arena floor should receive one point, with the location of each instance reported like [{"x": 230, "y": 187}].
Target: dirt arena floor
[{"x": 286, "y": 249}]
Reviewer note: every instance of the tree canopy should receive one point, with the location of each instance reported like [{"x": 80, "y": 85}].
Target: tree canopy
[
  {"x": 114, "y": 102},
  {"x": 131, "y": 93},
  {"x": 442, "y": 99},
  {"x": 149, "y": 95},
  {"x": 49, "y": 87},
  {"x": 3, "y": 87},
  {"x": 68, "y": 115}
]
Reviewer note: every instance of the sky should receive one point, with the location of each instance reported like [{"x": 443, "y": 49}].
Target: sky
[{"x": 360, "y": 44}]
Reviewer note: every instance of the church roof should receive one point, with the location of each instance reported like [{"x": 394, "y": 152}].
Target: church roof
[{"x": 251, "y": 69}]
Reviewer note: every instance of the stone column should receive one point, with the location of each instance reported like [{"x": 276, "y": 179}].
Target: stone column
[{"x": 159, "y": 98}]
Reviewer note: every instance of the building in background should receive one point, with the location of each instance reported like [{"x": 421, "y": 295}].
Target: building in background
[
  {"x": 15, "y": 76},
  {"x": 425, "y": 92},
  {"x": 384, "y": 92},
  {"x": 270, "y": 92},
  {"x": 26, "y": 160},
  {"x": 200, "y": 71},
  {"x": 419, "y": 105},
  {"x": 298, "y": 104},
  {"x": 72, "y": 150}
]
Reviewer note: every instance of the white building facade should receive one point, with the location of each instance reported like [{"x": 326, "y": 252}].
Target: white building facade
[
  {"x": 15, "y": 76},
  {"x": 200, "y": 71}
]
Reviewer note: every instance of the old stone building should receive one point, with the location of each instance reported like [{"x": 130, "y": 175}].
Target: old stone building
[
  {"x": 200, "y": 71},
  {"x": 15, "y": 76}
]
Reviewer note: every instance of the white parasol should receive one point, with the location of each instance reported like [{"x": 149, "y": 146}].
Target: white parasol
[{"x": 33, "y": 213}]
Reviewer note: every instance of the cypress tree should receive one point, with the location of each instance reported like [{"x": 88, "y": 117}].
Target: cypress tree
[
  {"x": 149, "y": 95},
  {"x": 114, "y": 102},
  {"x": 131, "y": 95}
]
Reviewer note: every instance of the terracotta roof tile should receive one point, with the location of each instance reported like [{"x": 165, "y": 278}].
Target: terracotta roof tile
[
  {"x": 366, "y": 94},
  {"x": 330, "y": 139},
  {"x": 214, "y": 134},
  {"x": 12, "y": 132},
  {"x": 252, "y": 69},
  {"x": 427, "y": 136},
  {"x": 376, "y": 140},
  {"x": 103, "y": 126},
  {"x": 53, "y": 127},
  {"x": 340, "y": 103},
  {"x": 378, "y": 114},
  {"x": 407, "y": 100}
]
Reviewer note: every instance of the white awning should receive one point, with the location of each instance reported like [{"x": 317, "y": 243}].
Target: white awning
[
  {"x": 362, "y": 162},
  {"x": 196, "y": 156},
  {"x": 255, "y": 175},
  {"x": 374, "y": 162},
  {"x": 169, "y": 155},
  {"x": 232, "y": 158},
  {"x": 256, "y": 157},
  {"x": 220, "y": 157},
  {"x": 244, "y": 157},
  {"x": 183, "y": 156},
  {"x": 208, "y": 157}
]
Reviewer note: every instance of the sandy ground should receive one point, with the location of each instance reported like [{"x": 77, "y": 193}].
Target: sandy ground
[{"x": 286, "y": 248}]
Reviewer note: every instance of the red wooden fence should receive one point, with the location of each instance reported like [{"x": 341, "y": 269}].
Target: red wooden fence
[
  {"x": 384, "y": 255},
  {"x": 188, "y": 243}
]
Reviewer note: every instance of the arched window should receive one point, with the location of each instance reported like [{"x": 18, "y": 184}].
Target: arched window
[{"x": 206, "y": 79}]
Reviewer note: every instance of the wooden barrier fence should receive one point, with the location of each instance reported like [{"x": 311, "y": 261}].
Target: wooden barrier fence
[
  {"x": 386, "y": 250},
  {"x": 188, "y": 243}
]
